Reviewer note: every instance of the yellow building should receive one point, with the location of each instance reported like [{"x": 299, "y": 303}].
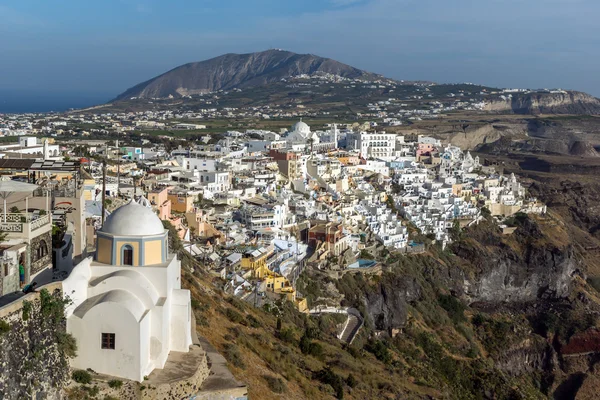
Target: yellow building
[{"x": 256, "y": 262}]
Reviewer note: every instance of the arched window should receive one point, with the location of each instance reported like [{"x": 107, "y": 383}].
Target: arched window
[
  {"x": 127, "y": 255},
  {"x": 42, "y": 250}
]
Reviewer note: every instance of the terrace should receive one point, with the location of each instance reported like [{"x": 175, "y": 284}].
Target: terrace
[{"x": 20, "y": 225}]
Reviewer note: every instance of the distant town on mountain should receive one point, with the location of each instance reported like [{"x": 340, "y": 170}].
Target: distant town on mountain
[{"x": 268, "y": 69}]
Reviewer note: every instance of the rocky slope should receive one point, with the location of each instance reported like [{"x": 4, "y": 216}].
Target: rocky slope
[
  {"x": 238, "y": 71},
  {"x": 35, "y": 348},
  {"x": 570, "y": 102}
]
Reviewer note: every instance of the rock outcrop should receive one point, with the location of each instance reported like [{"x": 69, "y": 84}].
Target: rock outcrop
[
  {"x": 541, "y": 273},
  {"x": 570, "y": 102},
  {"x": 387, "y": 306},
  {"x": 530, "y": 265},
  {"x": 35, "y": 348}
]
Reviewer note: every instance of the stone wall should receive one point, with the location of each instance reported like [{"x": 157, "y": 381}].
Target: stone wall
[
  {"x": 37, "y": 264},
  {"x": 34, "y": 347}
]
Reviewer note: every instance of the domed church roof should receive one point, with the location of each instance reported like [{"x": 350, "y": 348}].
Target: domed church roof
[
  {"x": 301, "y": 127},
  {"x": 133, "y": 220}
]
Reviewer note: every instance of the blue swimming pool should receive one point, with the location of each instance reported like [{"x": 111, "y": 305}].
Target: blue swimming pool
[{"x": 362, "y": 263}]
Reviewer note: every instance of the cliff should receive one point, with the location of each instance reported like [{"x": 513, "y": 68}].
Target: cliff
[
  {"x": 530, "y": 265},
  {"x": 570, "y": 102},
  {"x": 35, "y": 348},
  {"x": 238, "y": 71}
]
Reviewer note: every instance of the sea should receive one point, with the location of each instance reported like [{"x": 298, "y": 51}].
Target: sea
[{"x": 18, "y": 102}]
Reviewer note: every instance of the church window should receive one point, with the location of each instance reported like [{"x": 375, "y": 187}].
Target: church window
[
  {"x": 127, "y": 255},
  {"x": 108, "y": 341}
]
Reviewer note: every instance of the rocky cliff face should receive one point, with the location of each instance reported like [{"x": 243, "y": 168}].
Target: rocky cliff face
[
  {"x": 570, "y": 102},
  {"x": 541, "y": 273},
  {"x": 489, "y": 268},
  {"x": 387, "y": 306},
  {"x": 238, "y": 71},
  {"x": 527, "y": 266},
  {"x": 35, "y": 349}
]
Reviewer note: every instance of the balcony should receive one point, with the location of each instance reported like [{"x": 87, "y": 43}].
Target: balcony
[{"x": 25, "y": 225}]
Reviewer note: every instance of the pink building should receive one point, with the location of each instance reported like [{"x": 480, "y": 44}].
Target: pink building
[
  {"x": 424, "y": 149},
  {"x": 159, "y": 198}
]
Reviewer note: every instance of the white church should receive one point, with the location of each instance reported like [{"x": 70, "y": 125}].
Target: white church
[
  {"x": 300, "y": 136},
  {"x": 128, "y": 310}
]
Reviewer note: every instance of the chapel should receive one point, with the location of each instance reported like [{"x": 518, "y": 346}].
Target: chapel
[{"x": 128, "y": 311}]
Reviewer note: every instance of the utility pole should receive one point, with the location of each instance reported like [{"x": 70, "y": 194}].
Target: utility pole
[
  {"x": 118, "y": 169},
  {"x": 134, "y": 188},
  {"x": 103, "y": 189},
  {"x": 255, "y": 294}
]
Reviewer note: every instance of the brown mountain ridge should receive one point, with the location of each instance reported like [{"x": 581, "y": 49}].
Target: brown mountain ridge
[{"x": 238, "y": 71}]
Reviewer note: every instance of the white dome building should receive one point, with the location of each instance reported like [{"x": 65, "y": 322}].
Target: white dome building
[
  {"x": 301, "y": 127},
  {"x": 301, "y": 135},
  {"x": 128, "y": 310},
  {"x": 145, "y": 221}
]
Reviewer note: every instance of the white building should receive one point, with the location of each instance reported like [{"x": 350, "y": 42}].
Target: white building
[
  {"x": 376, "y": 145},
  {"x": 128, "y": 310}
]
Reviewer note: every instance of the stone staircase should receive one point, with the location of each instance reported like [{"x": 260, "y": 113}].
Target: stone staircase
[{"x": 352, "y": 327}]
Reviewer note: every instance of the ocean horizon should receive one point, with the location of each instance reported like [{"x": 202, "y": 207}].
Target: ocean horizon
[{"x": 18, "y": 102}]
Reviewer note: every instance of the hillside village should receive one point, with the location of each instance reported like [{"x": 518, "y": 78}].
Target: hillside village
[
  {"x": 254, "y": 208},
  {"x": 257, "y": 206}
]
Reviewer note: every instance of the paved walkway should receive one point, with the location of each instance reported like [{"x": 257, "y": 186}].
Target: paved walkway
[
  {"x": 42, "y": 279},
  {"x": 221, "y": 384}
]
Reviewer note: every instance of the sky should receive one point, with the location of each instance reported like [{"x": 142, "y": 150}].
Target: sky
[{"x": 97, "y": 49}]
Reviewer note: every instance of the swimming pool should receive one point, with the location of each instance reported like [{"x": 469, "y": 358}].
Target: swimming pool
[{"x": 362, "y": 263}]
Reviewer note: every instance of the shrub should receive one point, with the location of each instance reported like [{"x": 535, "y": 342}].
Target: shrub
[
  {"x": 4, "y": 327},
  {"x": 379, "y": 350},
  {"x": 328, "y": 377},
  {"x": 287, "y": 335},
  {"x": 453, "y": 307},
  {"x": 253, "y": 322},
  {"x": 27, "y": 307},
  {"x": 364, "y": 254},
  {"x": 81, "y": 376},
  {"x": 275, "y": 384},
  {"x": 519, "y": 219},
  {"x": 66, "y": 344},
  {"x": 115, "y": 384},
  {"x": 315, "y": 350},
  {"x": 351, "y": 381},
  {"x": 232, "y": 354},
  {"x": 304, "y": 344},
  {"x": 234, "y": 316},
  {"x": 353, "y": 351},
  {"x": 485, "y": 212}
]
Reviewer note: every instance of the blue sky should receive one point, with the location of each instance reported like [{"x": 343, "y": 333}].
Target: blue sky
[{"x": 104, "y": 47}]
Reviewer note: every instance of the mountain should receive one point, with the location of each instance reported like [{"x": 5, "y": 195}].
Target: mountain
[
  {"x": 564, "y": 102},
  {"x": 237, "y": 71}
]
